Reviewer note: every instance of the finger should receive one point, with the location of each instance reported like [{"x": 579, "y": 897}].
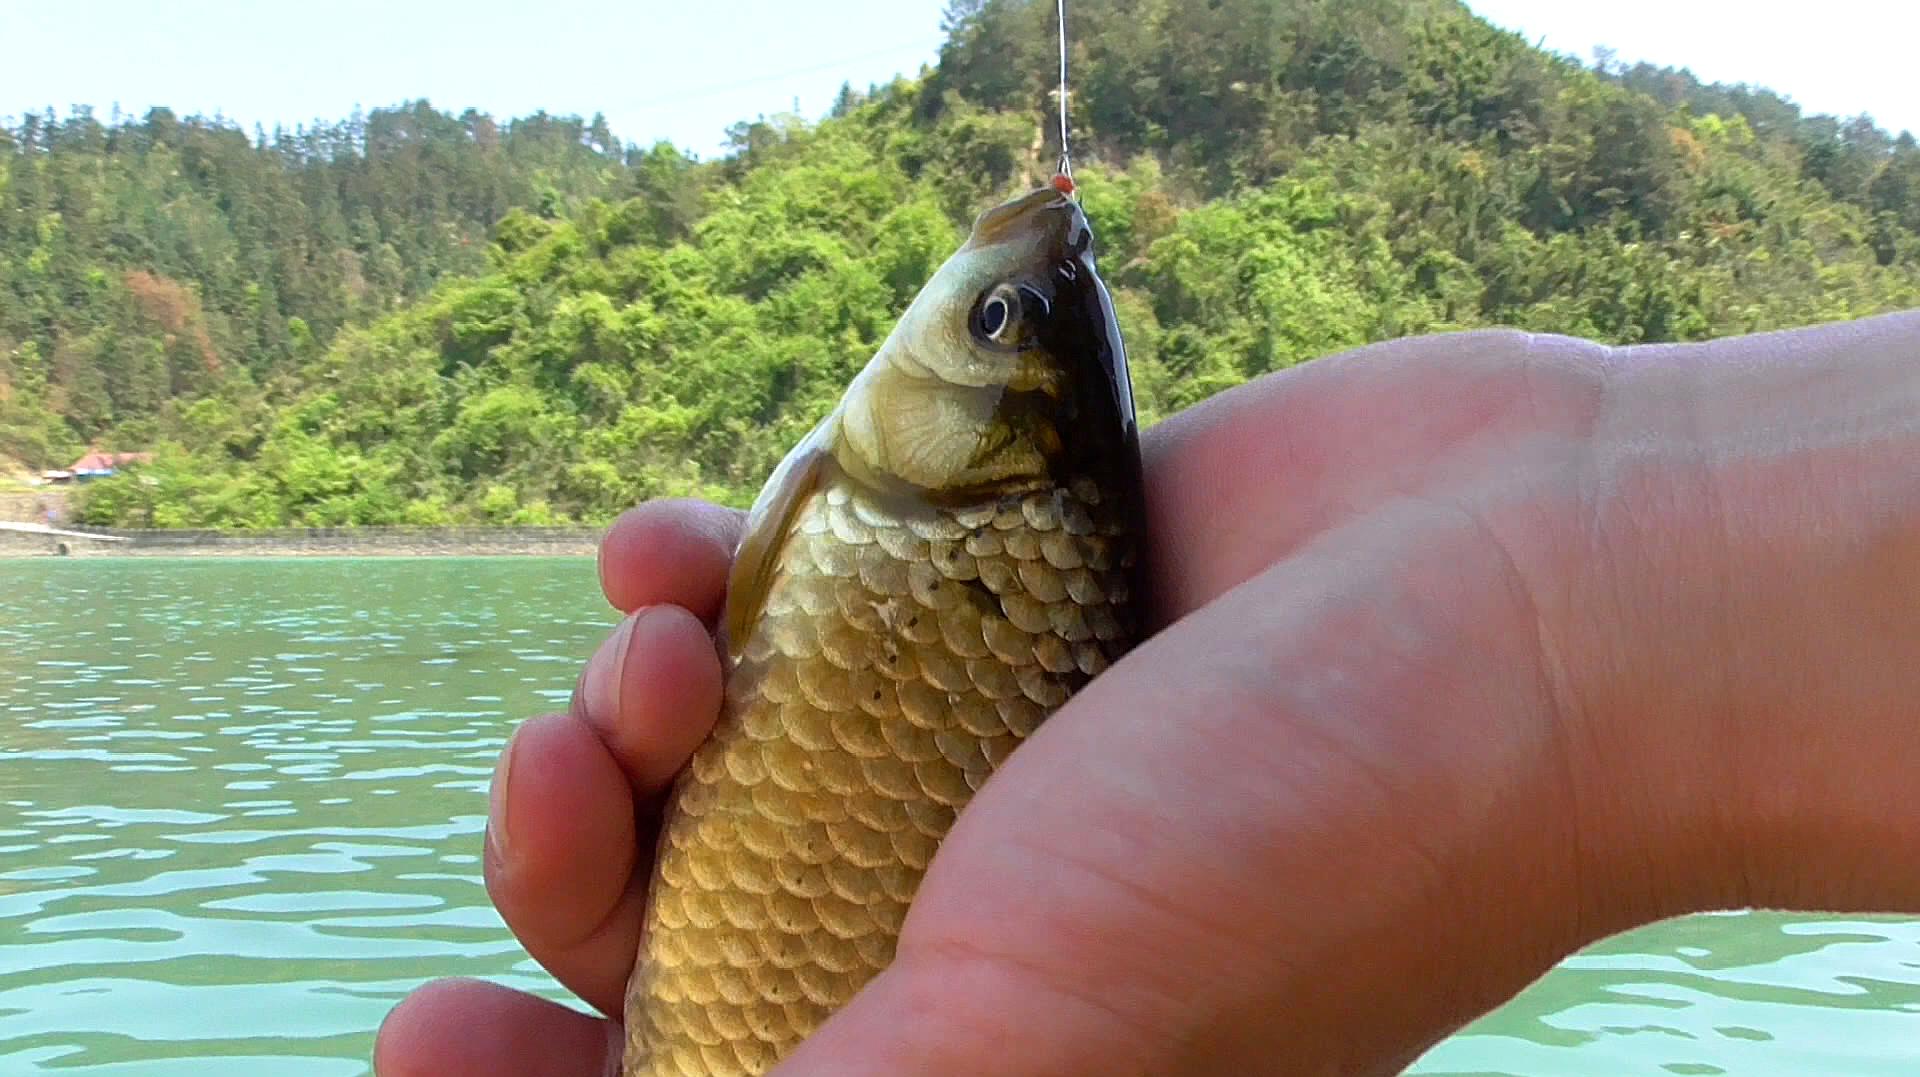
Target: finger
[
  {"x": 1295, "y": 454},
  {"x": 564, "y": 861},
  {"x": 568, "y": 855},
  {"x": 478, "y": 1029},
  {"x": 651, "y": 692},
  {"x": 674, "y": 552}
]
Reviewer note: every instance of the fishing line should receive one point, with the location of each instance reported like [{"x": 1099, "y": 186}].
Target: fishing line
[{"x": 1066, "y": 154}]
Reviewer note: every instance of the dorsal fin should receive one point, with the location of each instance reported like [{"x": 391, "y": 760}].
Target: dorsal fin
[{"x": 768, "y": 524}]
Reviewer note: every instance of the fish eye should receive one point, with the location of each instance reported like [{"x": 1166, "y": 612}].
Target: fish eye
[
  {"x": 996, "y": 319},
  {"x": 993, "y": 316}
]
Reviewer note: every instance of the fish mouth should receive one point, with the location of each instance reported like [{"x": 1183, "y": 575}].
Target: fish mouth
[{"x": 1046, "y": 214}]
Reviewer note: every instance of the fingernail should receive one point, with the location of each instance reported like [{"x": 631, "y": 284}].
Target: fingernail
[
  {"x": 497, "y": 800},
  {"x": 600, "y": 685}
]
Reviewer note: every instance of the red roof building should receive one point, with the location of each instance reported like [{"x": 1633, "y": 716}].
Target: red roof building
[{"x": 100, "y": 462}]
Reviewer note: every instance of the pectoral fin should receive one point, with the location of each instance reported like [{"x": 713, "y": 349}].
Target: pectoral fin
[{"x": 768, "y": 524}]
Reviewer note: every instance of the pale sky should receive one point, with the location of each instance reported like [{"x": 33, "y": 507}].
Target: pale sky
[{"x": 684, "y": 71}]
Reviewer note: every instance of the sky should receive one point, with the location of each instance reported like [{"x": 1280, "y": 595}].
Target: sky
[{"x": 685, "y": 71}]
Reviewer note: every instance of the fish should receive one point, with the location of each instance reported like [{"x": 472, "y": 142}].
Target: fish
[{"x": 934, "y": 569}]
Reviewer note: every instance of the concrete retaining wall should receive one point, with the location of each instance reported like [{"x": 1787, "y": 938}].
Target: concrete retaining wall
[
  {"x": 309, "y": 542},
  {"x": 39, "y": 544}
]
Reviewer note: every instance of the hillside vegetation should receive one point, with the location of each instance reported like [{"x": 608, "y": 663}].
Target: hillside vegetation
[
  {"x": 154, "y": 259},
  {"x": 1270, "y": 180}
]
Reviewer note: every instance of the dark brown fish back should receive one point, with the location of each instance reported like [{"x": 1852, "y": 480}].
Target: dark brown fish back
[{"x": 898, "y": 659}]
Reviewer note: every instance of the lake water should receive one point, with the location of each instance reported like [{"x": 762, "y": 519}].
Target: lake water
[{"x": 240, "y": 813}]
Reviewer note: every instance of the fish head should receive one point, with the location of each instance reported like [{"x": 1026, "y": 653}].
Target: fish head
[
  {"x": 1006, "y": 372},
  {"x": 1005, "y": 376}
]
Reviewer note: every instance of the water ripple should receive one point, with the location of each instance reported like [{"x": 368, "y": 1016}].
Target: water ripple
[{"x": 244, "y": 800}]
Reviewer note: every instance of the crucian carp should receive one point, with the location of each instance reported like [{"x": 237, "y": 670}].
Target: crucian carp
[{"x": 932, "y": 571}]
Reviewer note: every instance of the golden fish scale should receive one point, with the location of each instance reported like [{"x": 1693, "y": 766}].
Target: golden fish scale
[{"x": 895, "y": 663}]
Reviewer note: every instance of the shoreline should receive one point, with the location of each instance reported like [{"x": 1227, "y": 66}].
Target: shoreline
[{"x": 34, "y": 540}]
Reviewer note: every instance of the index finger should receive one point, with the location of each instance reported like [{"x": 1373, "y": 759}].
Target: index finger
[{"x": 670, "y": 552}]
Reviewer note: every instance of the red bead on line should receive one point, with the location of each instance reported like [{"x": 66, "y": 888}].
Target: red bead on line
[{"x": 1063, "y": 183}]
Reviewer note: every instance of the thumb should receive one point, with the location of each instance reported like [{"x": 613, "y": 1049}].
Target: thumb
[
  {"x": 1054, "y": 932},
  {"x": 960, "y": 1012}
]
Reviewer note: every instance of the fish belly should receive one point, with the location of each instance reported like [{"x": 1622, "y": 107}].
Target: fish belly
[{"x": 898, "y": 660}]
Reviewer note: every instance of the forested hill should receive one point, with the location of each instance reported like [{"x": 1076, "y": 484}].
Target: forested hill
[
  {"x": 463, "y": 321},
  {"x": 152, "y": 258}
]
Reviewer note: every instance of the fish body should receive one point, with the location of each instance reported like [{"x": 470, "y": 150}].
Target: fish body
[{"x": 944, "y": 561}]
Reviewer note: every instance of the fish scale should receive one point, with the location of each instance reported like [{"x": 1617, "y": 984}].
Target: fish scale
[{"x": 846, "y": 749}]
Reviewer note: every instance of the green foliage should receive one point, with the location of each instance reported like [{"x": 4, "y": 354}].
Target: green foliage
[
  {"x": 152, "y": 259},
  {"x": 417, "y": 318},
  {"x": 1264, "y": 281}
]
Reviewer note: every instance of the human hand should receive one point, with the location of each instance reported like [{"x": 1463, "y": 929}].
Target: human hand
[{"x": 1451, "y": 685}]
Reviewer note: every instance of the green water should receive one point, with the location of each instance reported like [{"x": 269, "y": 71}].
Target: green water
[{"x": 240, "y": 811}]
